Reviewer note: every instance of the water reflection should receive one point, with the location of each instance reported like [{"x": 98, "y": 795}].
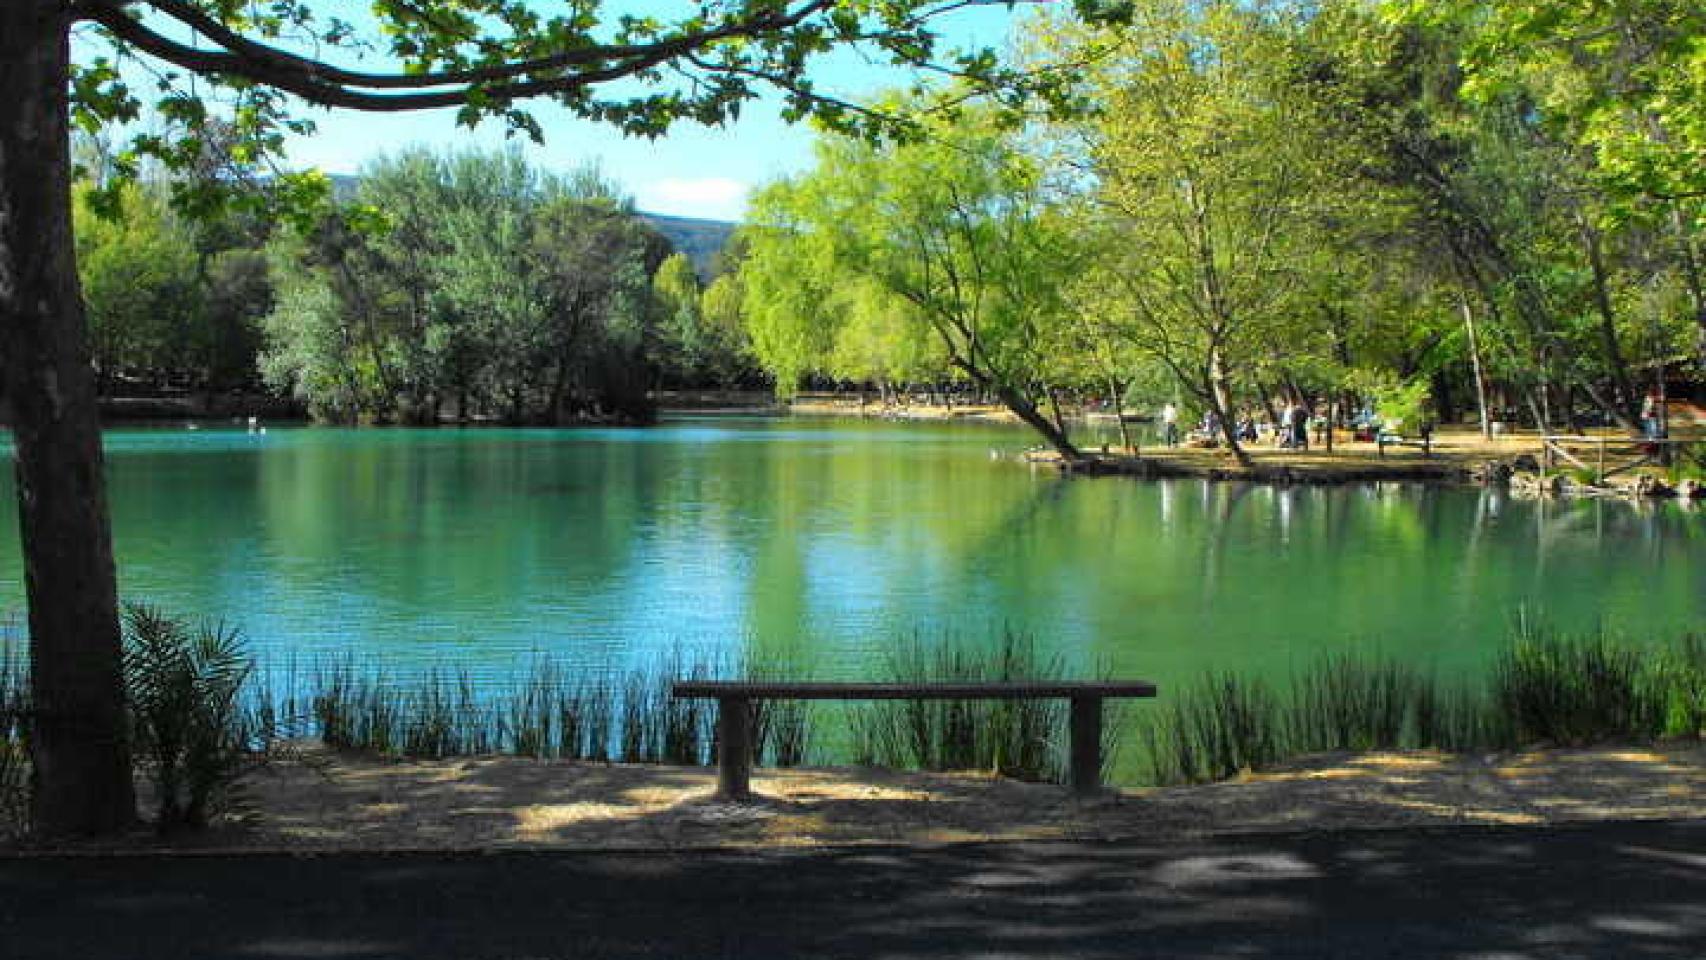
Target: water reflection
[{"x": 820, "y": 543}]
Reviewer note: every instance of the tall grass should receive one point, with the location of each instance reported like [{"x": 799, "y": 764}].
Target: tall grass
[
  {"x": 1023, "y": 739},
  {"x": 1543, "y": 688},
  {"x": 14, "y": 712},
  {"x": 783, "y": 730},
  {"x": 1577, "y": 690}
]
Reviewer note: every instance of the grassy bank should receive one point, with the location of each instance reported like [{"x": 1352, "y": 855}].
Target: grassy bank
[
  {"x": 1542, "y": 688},
  {"x": 550, "y": 712}
]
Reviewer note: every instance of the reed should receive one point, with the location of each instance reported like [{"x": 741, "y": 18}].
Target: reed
[
  {"x": 1023, "y": 739},
  {"x": 1574, "y": 691},
  {"x": 1225, "y": 725},
  {"x": 14, "y": 751},
  {"x": 1543, "y": 688},
  {"x": 1680, "y": 681}
]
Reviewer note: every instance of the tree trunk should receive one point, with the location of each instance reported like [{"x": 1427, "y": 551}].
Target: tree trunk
[
  {"x": 1220, "y": 401},
  {"x": 1054, "y": 407},
  {"x": 1027, "y": 411},
  {"x": 1475, "y": 367},
  {"x": 1691, "y": 275},
  {"x": 1624, "y": 405},
  {"x": 1267, "y": 399},
  {"x": 81, "y": 778},
  {"x": 1116, "y": 390},
  {"x": 559, "y": 387}
]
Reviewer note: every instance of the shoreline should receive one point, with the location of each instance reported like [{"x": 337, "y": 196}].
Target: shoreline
[
  {"x": 1455, "y": 456},
  {"x": 322, "y": 802}
]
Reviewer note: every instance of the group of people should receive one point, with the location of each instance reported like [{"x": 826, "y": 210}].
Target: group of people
[{"x": 1291, "y": 432}]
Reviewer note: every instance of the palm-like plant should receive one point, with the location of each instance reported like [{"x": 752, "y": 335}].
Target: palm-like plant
[{"x": 183, "y": 685}]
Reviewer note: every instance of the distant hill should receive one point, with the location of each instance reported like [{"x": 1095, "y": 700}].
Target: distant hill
[{"x": 699, "y": 239}]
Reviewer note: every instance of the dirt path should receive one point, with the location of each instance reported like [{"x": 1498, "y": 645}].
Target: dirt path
[{"x": 327, "y": 802}]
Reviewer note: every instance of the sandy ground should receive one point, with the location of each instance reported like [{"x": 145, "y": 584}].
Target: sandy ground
[{"x": 322, "y": 801}]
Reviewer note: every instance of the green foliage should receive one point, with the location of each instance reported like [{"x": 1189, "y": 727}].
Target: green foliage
[
  {"x": 1401, "y": 405},
  {"x": 910, "y": 260},
  {"x": 140, "y": 281},
  {"x": 478, "y": 284},
  {"x": 1544, "y": 688},
  {"x": 638, "y": 73},
  {"x": 1225, "y": 726},
  {"x": 183, "y": 685}
]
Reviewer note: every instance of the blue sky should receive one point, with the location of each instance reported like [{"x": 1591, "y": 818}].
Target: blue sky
[{"x": 694, "y": 171}]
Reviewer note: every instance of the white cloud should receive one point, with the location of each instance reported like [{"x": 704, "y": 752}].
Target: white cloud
[{"x": 714, "y": 198}]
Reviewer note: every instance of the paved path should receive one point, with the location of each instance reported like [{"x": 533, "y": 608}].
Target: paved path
[{"x": 1610, "y": 890}]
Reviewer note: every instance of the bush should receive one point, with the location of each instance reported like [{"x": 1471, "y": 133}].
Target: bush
[{"x": 182, "y": 686}]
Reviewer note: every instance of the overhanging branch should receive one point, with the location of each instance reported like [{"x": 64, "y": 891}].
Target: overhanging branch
[{"x": 328, "y": 85}]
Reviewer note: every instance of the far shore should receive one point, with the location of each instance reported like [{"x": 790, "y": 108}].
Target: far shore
[{"x": 1454, "y": 454}]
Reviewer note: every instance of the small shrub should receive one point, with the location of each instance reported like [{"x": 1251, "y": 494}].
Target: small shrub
[{"x": 182, "y": 688}]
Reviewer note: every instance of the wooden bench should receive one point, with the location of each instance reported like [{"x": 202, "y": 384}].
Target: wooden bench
[{"x": 734, "y": 715}]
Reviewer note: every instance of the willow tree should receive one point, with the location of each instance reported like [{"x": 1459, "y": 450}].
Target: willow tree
[
  {"x": 957, "y": 229},
  {"x": 485, "y": 58},
  {"x": 1212, "y": 179}
]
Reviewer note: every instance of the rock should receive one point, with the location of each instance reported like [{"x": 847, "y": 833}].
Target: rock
[{"x": 1493, "y": 471}]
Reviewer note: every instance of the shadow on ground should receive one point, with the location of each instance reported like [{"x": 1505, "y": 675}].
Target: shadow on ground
[{"x": 1605, "y": 890}]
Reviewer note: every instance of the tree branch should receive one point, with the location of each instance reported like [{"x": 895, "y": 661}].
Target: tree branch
[{"x": 327, "y": 85}]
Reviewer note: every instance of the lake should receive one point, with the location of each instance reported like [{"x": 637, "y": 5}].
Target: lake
[{"x": 822, "y": 542}]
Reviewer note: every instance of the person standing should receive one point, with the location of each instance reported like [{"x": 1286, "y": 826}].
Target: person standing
[{"x": 1170, "y": 424}]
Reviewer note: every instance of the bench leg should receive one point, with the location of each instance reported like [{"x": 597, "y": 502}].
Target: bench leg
[
  {"x": 1086, "y": 746},
  {"x": 734, "y": 748}
]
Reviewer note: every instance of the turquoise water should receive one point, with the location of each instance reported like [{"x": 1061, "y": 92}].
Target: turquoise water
[{"x": 821, "y": 542}]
